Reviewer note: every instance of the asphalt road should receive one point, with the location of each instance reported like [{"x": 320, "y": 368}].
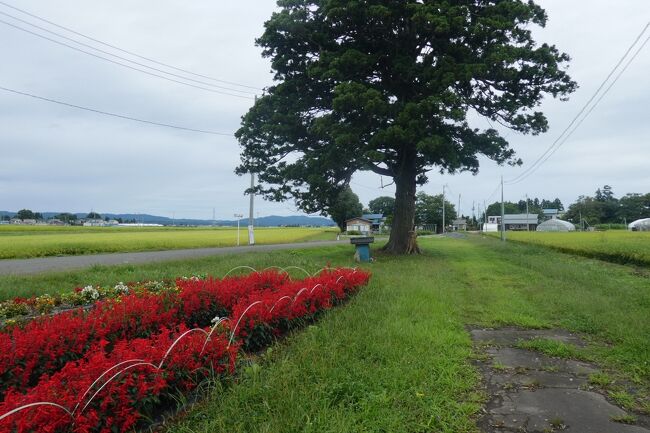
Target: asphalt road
[{"x": 67, "y": 263}]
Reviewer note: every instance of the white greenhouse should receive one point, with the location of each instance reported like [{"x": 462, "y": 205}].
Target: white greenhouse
[
  {"x": 642, "y": 225},
  {"x": 556, "y": 225}
]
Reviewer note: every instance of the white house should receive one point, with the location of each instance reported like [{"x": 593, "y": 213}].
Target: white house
[{"x": 360, "y": 225}]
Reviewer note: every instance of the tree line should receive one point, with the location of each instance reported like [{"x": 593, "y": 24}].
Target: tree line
[
  {"x": 601, "y": 208},
  {"x": 66, "y": 217}
]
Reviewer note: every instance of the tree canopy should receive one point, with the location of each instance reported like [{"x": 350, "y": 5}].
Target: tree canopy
[
  {"x": 346, "y": 206},
  {"x": 27, "y": 214},
  {"x": 605, "y": 208},
  {"x": 387, "y": 87},
  {"x": 428, "y": 210},
  {"x": 384, "y": 205}
]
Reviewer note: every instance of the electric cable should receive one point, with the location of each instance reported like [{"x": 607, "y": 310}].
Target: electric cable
[{"x": 121, "y": 116}]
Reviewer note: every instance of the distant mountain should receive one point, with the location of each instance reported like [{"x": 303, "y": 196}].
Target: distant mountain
[{"x": 266, "y": 221}]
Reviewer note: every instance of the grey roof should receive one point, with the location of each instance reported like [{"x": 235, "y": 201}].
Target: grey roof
[
  {"x": 358, "y": 218},
  {"x": 556, "y": 225},
  {"x": 373, "y": 216},
  {"x": 520, "y": 218},
  {"x": 459, "y": 221},
  {"x": 550, "y": 211}
]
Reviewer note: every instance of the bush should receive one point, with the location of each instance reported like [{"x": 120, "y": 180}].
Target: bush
[
  {"x": 610, "y": 227},
  {"x": 353, "y": 233}
]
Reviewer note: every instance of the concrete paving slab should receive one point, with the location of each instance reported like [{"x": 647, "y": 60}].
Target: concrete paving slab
[
  {"x": 526, "y": 359},
  {"x": 510, "y": 336},
  {"x": 535, "y": 393},
  {"x": 570, "y": 410}
]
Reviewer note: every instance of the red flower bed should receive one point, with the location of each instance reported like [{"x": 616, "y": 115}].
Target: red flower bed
[
  {"x": 258, "y": 308},
  {"x": 130, "y": 396},
  {"x": 45, "y": 344}
]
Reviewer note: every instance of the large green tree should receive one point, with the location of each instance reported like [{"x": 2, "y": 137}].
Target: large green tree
[
  {"x": 345, "y": 206},
  {"x": 428, "y": 210},
  {"x": 384, "y": 205},
  {"x": 387, "y": 87}
]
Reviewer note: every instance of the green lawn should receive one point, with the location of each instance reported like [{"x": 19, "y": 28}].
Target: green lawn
[
  {"x": 397, "y": 358},
  {"x": 42, "y": 241},
  {"x": 617, "y": 246}
]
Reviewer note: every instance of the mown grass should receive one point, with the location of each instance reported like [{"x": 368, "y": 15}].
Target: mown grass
[
  {"x": 37, "y": 241},
  {"x": 616, "y": 246},
  {"x": 397, "y": 356}
]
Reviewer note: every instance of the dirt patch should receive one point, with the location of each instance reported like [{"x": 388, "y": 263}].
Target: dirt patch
[{"x": 531, "y": 392}]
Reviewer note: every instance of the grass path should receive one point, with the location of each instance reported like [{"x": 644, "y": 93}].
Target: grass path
[{"x": 396, "y": 358}]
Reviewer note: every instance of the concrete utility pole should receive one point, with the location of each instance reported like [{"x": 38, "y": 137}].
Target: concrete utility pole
[
  {"x": 527, "y": 223},
  {"x": 443, "y": 209},
  {"x": 251, "y": 233},
  {"x": 484, "y": 212},
  {"x": 459, "y": 213},
  {"x": 503, "y": 212}
]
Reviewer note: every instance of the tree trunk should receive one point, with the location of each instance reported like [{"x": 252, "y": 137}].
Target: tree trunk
[{"x": 402, "y": 234}]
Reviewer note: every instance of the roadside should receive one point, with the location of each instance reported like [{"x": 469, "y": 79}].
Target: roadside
[{"x": 67, "y": 263}]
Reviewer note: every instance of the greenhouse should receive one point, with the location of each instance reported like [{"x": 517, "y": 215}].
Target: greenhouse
[
  {"x": 556, "y": 225},
  {"x": 642, "y": 225}
]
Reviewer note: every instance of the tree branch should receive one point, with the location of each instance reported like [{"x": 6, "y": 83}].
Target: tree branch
[{"x": 380, "y": 170}]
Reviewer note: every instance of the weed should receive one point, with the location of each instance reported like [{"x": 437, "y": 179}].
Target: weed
[
  {"x": 550, "y": 347},
  {"x": 624, "y": 419},
  {"x": 601, "y": 379}
]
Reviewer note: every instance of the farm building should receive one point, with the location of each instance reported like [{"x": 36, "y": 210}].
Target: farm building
[
  {"x": 519, "y": 221},
  {"x": 642, "y": 225},
  {"x": 360, "y": 225},
  {"x": 548, "y": 214},
  {"x": 459, "y": 224},
  {"x": 556, "y": 225},
  {"x": 377, "y": 220}
]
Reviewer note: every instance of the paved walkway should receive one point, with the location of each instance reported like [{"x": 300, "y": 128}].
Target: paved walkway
[
  {"x": 531, "y": 392},
  {"x": 67, "y": 263}
]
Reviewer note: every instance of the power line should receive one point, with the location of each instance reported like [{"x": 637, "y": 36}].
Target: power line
[
  {"x": 150, "y": 122},
  {"x": 123, "y": 64},
  {"x": 586, "y": 115},
  {"x": 126, "y": 51},
  {"x": 540, "y": 160},
  {"x": 120, "y": 57}
]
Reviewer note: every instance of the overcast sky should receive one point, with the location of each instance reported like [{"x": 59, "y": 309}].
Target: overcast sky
[{"x": 55, "y": 158}]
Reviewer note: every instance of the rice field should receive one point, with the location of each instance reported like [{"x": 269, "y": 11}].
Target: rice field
[
  {"x": 615, "y": 246},
  {"x": 44, "y": 241}
]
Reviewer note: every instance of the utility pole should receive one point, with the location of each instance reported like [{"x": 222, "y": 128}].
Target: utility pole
[
  {"x": 251, "y": 233},
  {"x": 581, "y": 227},
  {"x": 473, "y": 213},
  {"x": 459, "y": 213},
  {"x": 503, "y": 223},
  {"x": 443, "y": 209},
  {"x": 484, "y": 213},
  {"x": 527, "y": 223},
  {"x": 213, "y": 217}
]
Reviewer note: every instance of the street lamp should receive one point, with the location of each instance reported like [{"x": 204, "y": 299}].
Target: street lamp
[{"x": 238, "y": 216}]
